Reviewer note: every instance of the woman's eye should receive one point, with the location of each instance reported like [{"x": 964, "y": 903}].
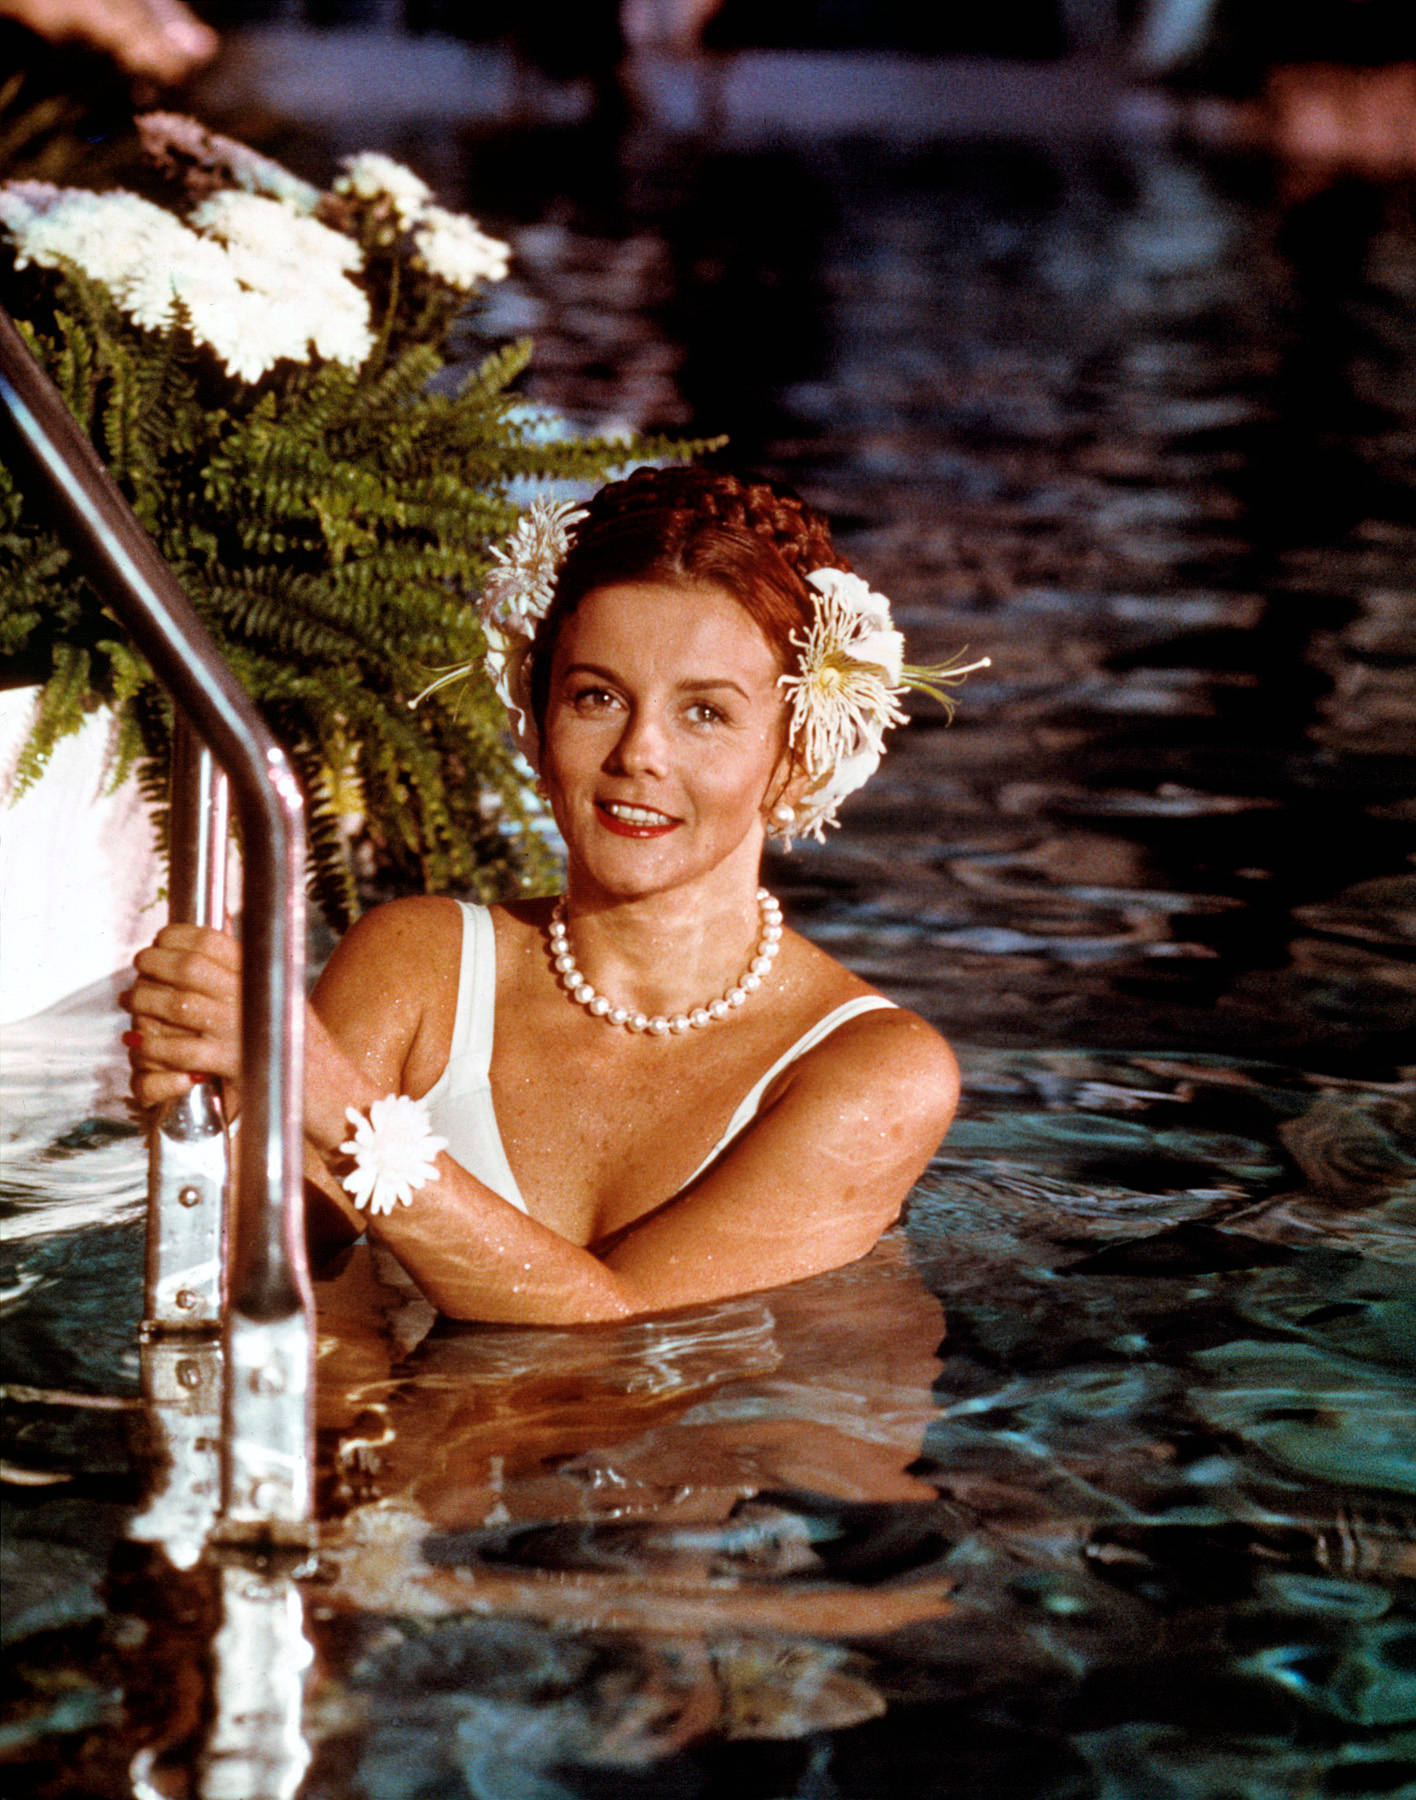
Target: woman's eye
[
  {"x": 591, "y": 699},
  {"x": 703, "y": 713}
]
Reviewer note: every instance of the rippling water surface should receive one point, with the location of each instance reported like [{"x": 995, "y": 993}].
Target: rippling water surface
[{"x": 1098, "y": 1479}]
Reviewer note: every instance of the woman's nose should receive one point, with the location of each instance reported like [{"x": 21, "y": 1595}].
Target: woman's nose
[{"x": 641, "y": 748}]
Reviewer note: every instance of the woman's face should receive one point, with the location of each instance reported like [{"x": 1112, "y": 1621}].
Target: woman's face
[{"x": 665, "y": 734}]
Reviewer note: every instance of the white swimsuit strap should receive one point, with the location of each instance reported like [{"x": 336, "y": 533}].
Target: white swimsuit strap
[
  {"x": 475, "y": 1019},
  {"x": 809, "y": 1039}
]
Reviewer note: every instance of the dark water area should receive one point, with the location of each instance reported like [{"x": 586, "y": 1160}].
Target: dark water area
[{"x": 1097, "y": 1481}]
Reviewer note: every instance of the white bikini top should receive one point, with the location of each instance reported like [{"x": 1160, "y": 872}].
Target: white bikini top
[{"x": 460, "y": 1100}]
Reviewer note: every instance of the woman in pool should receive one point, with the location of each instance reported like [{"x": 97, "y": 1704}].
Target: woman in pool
[{"x": 681, "y": 1100}]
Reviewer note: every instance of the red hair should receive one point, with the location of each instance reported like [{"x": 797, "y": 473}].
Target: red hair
[{"x": 681, "y": 527}]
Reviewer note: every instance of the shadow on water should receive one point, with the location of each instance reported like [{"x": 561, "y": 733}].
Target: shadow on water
[{"x": 1096, "y": 1479}]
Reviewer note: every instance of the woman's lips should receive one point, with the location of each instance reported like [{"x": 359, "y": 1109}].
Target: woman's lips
[{"x": 625, "y": 820}]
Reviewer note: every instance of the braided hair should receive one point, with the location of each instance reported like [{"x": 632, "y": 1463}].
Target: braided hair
[{"x": 683, "y": 527}]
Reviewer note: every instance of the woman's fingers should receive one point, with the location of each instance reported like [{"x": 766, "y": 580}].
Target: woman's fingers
[
  {"x": 187, "y": 1009},
  {"x": 185, "y": 1005},
  {"x": 192, "y": 957},
  {"x": 155, "y": 1090},
  {"x": 154, "y": 1045}
]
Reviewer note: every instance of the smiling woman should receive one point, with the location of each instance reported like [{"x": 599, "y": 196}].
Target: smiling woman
[{"x": 646, "y": 1093}]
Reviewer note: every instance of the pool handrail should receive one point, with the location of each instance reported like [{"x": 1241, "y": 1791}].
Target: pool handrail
[
  {"x": 189, "y": 1157},
  {"x": 269, "y": 1333}
]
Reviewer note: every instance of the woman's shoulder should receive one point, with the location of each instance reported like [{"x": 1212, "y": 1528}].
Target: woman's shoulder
[
  {"x": 408, "y": 928},
  {"x": 391, "y": 985},
  {"x": 878, "y": 1049},
  {"x": 897, "y": 1044}
]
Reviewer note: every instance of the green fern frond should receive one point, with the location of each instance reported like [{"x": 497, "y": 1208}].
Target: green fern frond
[{"x": 58, "y": 714}]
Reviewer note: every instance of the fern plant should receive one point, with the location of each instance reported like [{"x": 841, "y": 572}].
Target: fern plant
[{"x": 329, "y": 512}]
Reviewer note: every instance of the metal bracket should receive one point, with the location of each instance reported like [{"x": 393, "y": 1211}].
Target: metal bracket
[
  {"x": 187, "y": 1191},
  {"x": 189, "y": 1161}
]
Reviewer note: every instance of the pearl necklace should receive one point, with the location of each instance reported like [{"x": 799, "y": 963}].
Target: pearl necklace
[{"x": 579, "y": 989}]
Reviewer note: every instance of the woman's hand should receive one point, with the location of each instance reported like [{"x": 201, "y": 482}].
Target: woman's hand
[{"x": 186, "y": 1008}]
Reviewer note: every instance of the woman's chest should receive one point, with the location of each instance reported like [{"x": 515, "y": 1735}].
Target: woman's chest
[{"x": 596, "y": 1140}]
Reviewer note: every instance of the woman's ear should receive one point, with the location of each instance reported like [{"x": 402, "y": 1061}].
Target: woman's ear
[{"x": 784, "y": 793}]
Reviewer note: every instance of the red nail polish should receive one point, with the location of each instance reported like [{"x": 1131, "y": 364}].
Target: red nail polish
[{"x": 133, "y": 1039}]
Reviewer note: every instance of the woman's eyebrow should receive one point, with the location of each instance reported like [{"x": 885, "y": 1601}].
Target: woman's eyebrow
[
  {"x": 693, "y": 685},
  {"x": 707, "y": 683}
]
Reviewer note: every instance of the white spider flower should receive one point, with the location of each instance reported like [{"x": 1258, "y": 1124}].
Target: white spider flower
[
  {"x": 817, "y": 803},
  {"x": 518, "y": 591},
  {"x": 456, "y": 250},
  {"x": 513, "y": 601},
  {"x": 505, "y": 666},
  {"x": 371, "y": 176},
  {"x": 855, "y": 596},
  {"x": 395, "y": 1152},
  {"x": 843, "y": 694}
]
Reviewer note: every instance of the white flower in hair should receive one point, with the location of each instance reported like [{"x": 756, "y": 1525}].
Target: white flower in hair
[
  {"x": 513, "y": 601},
  {"x": 516, "y": 597},
  {"x": 394, "y": 1150},
  {"x": 845, "y": 693},
  {"x": 519, "y": 590},
  {"x": 856, "y": 598}
]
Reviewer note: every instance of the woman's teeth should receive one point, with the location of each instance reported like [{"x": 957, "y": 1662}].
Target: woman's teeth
[{"x": 636, "y": 815}]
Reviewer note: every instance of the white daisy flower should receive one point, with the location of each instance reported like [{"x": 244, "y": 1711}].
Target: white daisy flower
[{"x": 395, "y": 1152}]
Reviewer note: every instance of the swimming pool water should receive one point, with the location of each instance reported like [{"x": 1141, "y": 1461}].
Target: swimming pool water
[{"x": 1097, "y": 1480}]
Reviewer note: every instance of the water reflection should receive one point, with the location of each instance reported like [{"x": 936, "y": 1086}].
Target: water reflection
[{"x": 619, "y": 1457}]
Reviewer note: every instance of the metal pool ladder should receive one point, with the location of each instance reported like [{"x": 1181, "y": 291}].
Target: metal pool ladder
[{"x": 245, "y": 1276}]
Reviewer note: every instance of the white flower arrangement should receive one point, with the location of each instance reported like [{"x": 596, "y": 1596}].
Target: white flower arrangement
[
  {"x": 261, "y": 228},
  {"x": 450, "y": 246},
  {"x": 258, "y": 283},
  {"x": 259, "y": 279}
]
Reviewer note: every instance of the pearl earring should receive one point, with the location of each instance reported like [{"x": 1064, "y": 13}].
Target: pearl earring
[{"x": 782, "y": 814}]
